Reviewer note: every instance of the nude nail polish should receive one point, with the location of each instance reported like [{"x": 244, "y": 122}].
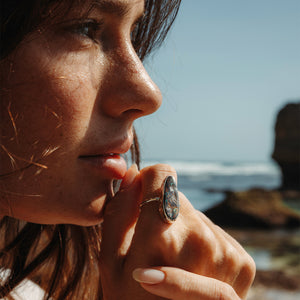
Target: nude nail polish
[{"x": 150, "y": 276}]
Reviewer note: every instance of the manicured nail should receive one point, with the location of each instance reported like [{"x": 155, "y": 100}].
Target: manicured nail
[{"x": 150, "y": 276}]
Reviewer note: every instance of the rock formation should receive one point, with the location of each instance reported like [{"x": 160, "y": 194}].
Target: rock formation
[
  {"x": 287, "y": 145},
  {"x": 255, "y": 208}
]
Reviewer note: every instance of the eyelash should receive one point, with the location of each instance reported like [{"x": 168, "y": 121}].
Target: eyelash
[
  {"x": 87, "y": 29},
  {"x": 91, "y": 29}
]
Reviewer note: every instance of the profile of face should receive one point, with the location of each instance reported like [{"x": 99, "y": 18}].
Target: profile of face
[{"x": 70, "y": 94}]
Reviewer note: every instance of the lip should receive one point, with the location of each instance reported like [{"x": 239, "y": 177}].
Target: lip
[
  {"x": 108, "y": 160},
  {"x": 110, "y": 166},
  {"x": 119, "y": 145}
]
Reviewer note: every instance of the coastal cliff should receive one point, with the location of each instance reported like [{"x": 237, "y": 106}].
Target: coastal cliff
[
  {"x": 261, "y": 208},
  {"x": 265, "y": 222},
  {"x": 287, "y": 145}
]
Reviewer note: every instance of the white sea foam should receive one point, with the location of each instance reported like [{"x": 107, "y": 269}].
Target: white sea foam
[{"x": 193, "y": 168}]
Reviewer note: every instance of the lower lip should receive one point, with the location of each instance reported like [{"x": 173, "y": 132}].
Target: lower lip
[{"x": 111, "y": 166}]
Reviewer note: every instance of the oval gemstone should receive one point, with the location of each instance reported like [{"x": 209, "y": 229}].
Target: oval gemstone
[{"x": 170, "y": 199}]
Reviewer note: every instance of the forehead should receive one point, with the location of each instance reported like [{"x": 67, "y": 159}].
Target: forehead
[
  {"x": 60, "y": 9},
  {"x": 118, "y": 7}
]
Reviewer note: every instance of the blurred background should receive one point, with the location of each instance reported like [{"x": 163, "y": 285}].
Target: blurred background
[{"x": 225, "y": 71}]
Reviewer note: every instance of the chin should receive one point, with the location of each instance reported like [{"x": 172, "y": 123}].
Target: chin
[
  {"x": 91, "y": 214},
  {"x": 89, "y": 220}
]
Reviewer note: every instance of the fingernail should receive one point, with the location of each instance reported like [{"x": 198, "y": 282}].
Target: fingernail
[
  {"x": 150, "y": 276},
  {"x": 130, "y": 176}
]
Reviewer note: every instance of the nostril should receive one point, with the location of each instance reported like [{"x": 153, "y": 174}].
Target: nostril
[{"x": 133, "y": 113}]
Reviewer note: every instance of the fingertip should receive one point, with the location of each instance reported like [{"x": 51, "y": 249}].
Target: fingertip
[
  {"x": 134, "y": 167},
  {"x": 148, "y": 276},
  {"x": 130, "y": 176}
]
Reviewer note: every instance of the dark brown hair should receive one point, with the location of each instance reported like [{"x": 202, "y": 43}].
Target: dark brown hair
[{"x": 62, "y": 259}]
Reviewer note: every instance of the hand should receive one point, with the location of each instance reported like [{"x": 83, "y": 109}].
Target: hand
[{"x": 198, "y": 260}]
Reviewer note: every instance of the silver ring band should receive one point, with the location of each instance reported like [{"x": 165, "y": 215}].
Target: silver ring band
[{"x": 149, "y": 200}]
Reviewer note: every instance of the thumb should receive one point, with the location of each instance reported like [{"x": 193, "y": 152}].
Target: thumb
[{"x": 120, "y": 217}]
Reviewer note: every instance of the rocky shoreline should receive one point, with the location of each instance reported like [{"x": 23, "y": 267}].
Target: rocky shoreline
[
  {"x": 278, "y": 273},
  {"x": 269, "y": 229},
  {"x": 267, "y": 222},
  {"x": 256, "y": 208}
]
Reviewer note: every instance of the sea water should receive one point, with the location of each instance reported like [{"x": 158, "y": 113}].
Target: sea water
[{"x": 204, "y": 183}]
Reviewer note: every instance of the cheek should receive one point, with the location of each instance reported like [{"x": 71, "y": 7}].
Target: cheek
[
  {"x": 45, "y": 112},
  {"x": 49, "y": 93},
  {"x": 51, "y": 107},
  {"x": 74, "y": 91}
]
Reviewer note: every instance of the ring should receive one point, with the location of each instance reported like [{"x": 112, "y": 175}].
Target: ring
[{"x": 169, "y": 200}]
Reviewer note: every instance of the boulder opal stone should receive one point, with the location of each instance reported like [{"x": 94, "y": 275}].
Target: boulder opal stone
[{"x": 170, "y": 201}]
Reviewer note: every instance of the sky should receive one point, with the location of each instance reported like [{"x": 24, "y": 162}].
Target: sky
[{"x": 225, "y": 70}]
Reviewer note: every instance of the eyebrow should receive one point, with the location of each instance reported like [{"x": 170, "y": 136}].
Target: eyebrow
[{"x": 118, "y": 8}]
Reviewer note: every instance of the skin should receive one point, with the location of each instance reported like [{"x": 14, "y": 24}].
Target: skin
[
  {"x": 91, "y": 93},
  {"x": 68, "y": 92},
  {"x": 199, "y": 260}
]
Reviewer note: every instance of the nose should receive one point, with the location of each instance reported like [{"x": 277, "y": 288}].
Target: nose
[{"x": 129, "y": 91}]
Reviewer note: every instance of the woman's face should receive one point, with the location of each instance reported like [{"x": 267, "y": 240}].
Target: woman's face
[{"x": 70, "y": 94}]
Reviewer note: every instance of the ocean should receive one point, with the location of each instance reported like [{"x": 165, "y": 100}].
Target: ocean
[
  {"x": 197, "y": 179},
  {"x": 204, "y": 184}
]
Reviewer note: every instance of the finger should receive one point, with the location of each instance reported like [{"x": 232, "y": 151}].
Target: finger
[
  {"x": 120, "y": 216},
  {"x": 187, "y": 243},
  {"x": 219, "y": 231},
  {"x": 240, "y": 265},
  {"x": 227, "y": 259},
  {"x": 178, "y": 284},
  {"x": 152, "y": 179}
]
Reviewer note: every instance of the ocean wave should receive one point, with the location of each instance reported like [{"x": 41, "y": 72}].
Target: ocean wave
[{"x": 193, "y": 168}]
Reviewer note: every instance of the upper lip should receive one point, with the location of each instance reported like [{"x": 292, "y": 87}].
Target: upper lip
[{"x": 120, "y": 145}]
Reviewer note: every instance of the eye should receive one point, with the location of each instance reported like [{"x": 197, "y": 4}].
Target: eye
[{"x": 89, "y": 29}]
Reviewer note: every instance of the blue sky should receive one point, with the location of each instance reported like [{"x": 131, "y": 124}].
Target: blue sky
[{"x": 225, "y": 70}]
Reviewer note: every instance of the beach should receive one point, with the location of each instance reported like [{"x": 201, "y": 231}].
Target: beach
[{"x": 276, "y": 252}]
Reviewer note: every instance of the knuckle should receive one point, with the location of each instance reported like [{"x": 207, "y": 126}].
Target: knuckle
[
  {"x": 231, "y": 257},
  {"x": 208, "y": 244},
  {"x": 229, "y": 251},
  {"x": 224, "y": 291},
  {"x": 158, "y": 169},
  {"x": 189, "y": 214},
  {"x": 152, "y": 179},
  {"x": 167, "y": 241},
  {"x": 251, "y": 264},
  {"x": 248, "y": 269}
]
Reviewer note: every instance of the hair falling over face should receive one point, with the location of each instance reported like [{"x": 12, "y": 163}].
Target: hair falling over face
[{"x": 62, "y": 259}]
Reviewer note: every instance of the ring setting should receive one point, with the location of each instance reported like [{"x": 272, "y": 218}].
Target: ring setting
[{"x": 168, "y": 201}]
